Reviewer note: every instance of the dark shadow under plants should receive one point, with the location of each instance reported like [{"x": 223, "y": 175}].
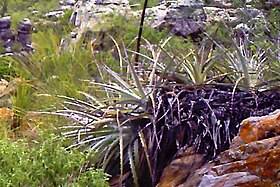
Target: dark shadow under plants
[{"x": 207, "y": 118}]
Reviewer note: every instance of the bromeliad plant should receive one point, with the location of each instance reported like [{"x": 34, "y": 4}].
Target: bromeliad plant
[
  {"x": 197, "y": 65},
  {"x": 112, "y": 120},
  {"x": 135, "y": 124},
  {"x": 247, "y": 62}
]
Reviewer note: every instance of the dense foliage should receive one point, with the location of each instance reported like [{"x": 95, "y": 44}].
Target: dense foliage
[{"x": 45, "y": 163}]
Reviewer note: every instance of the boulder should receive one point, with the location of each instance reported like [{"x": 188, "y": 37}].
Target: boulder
[
  {"x": 182, "y": 17},
  {"x": 25, "y": 33},
  {"x": 7, "y": 35},
  {"x": 253, "y": 159}
]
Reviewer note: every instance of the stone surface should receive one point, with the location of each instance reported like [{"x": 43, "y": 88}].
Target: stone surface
[
  {"x": 70, "y": 2},
  {"x": 252, "y": 160},
  {"x": 7, "y": 35},
  {"x": 88, "y": 14},
  {"x": 258, "y": 128},
  {"x": 180, "y": 17},
  {"x": 179, "y": 169},
  {"x": 57, "y": 13},
  {"x": 23, "y": 36}
]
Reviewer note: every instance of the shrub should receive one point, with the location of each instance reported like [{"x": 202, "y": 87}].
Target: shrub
[{"x": 45, "y": 164}]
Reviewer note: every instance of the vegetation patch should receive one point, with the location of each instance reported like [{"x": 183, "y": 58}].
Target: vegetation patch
[{"x": 45, "y": 163}]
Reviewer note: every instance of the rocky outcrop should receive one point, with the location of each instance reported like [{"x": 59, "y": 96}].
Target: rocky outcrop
[
  {"x": 24, "y": 34},
  {"x": 252, "y": 160},
  {"x": 9, "y": 37},
  {"x": 180, "y": 17},
  {"x": 234, "y": 4},
  {"x": 87, "y": 14}
]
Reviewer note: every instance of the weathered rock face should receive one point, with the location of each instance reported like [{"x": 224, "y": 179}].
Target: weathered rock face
[
  {"x": 231, "y": 3},
  {"x": 89, "y": 13},
  {"x": 252, "y": 160},
  {"x": 182, "y": 17},
  {"x": 179, "y": 169}
]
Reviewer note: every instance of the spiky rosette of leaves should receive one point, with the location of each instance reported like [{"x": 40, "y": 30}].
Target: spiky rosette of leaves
[
  {"x": 136, "y": 125},
  {"x": 112, "y": 120}
]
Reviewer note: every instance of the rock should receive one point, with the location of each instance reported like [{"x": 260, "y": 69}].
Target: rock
[
  {"x": 7, "y": 35},
  {"x": 182, "y": 17},
  {"x": 73, "y": 35},
  {"x": 70, "y": 2},
  {"x": 35, "y": 12},
  {"x": 57, "y": 13},
  {"x": 24, "y": 34},
  {"x": 219, "y": 3},
  {"x": 252, "y": 160},
  {"x": 258, "y": 128},
  {"x": 179, "y": 169},
  {"x": 5, "y": 22},
  {"x": 88, "y": 13}
]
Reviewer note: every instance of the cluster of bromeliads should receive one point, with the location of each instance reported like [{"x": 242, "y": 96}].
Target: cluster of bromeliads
[{"x": 143, "y": 117}]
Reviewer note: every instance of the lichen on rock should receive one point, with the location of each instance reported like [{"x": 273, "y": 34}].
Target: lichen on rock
[{"x": 252, "y": 160}]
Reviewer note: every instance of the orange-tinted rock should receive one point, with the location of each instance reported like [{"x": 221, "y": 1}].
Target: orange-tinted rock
[
  {"x": 180, "y": 168},
  {"x": 252, "y": 160},
  {"x": 258, "y": 128}
]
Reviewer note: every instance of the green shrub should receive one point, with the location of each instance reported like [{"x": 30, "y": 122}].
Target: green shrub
[{"x": 45, "y": 164}]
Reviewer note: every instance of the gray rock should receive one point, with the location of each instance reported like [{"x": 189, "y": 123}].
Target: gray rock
[
  {"x": 99, "y": 2},
  {"x": 182, "y": 17},
  {"x": 70, "y": 2},
  {"x": 24, "y": 34},
  {"x": 7, "y": 35},
  {"x": 57, "y": 13},
  {"x": 5, "y": 22},
  {"x": 25, "y": 26},
  {"x": 87, "y": 14}
]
